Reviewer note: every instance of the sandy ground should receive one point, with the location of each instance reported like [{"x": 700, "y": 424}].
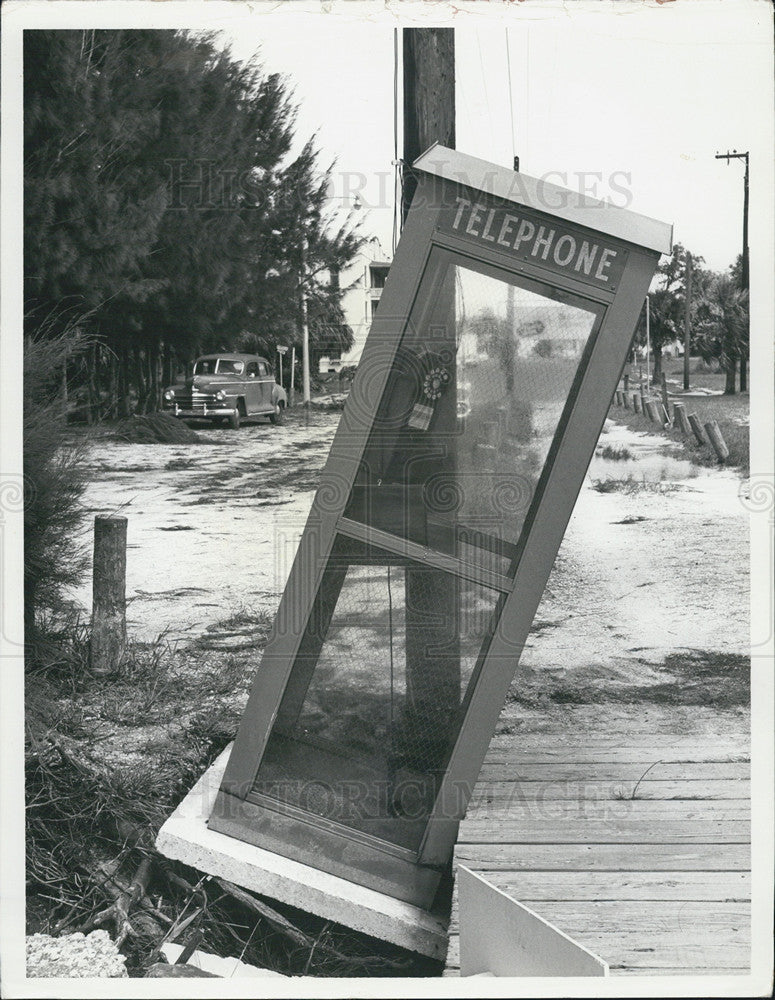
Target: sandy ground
[{"x": 656, "y": 564}]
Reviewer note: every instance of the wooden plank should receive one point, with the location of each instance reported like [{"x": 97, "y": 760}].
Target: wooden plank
[
  {"x": 655, "y": 810},
  {"x": 653, "y": 936},
  {"x": 604, "y": 857},
  {"x": 679, "y": 970},
  {"x": 585, "y": 831},
  {"x": 614, "y": 752},
  {"x": 514, "y": 791},
  {"x": 534, "y": 887},
  {"x": 657, "y": 933},
  {"x": 597, "y": 771}
]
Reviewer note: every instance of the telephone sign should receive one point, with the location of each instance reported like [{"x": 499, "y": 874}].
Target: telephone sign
[{"x": 501, "y": 333}]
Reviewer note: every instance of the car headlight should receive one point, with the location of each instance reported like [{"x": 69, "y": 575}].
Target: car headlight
[
  {"x": 220, "y": 395},
  {"x": 169, "y": 394}
]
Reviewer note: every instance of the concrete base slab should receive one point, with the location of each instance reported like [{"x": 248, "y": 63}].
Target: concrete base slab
[{"x": 185, "y": 837}]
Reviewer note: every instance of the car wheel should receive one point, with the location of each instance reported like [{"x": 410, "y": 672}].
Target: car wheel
[
  {"x": 278, "y": 417},
  {"x": 234, "y": 420}
]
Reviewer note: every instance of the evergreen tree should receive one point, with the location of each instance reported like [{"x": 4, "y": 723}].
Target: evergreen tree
[{"x": 159, "y": 198}]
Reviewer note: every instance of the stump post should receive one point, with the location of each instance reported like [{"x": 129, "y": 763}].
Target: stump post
[
  {"x": 679, "y": 412},
  {"x": 108, "y": 636},
  {"x": 717, "y": 440},
  {"x": 653, "y": 411},
  {"x": 697, "y": 428}
]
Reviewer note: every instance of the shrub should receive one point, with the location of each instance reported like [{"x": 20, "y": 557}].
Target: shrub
[{"x": 53, "y": 481}]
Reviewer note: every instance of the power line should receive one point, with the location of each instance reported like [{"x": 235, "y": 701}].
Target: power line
[{"x": 511, "y": 102}]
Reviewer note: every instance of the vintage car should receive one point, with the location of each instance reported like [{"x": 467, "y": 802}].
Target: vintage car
[{"x": 227, "y": 388}]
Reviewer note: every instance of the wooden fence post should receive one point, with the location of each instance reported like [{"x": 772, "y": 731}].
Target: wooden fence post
[
  {"x": 653, "y": 411},
  {"x": 636, "y": 403},
  {"x": 626, "y": 400},
  {"x": 717, "y": 440},
  {"x": 697, "y": 428},
  {"x": 679, "y": 412},
  {"x": 665, "y": 399},
  {"x": 643, "y": 404},
  {"x": 626, "y": 382},
  {"x": 108, "y": 634},
  {"x": 618, "y": 395}
]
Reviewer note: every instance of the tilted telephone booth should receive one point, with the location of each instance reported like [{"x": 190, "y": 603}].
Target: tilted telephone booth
[{"x": 501, "y": 334}]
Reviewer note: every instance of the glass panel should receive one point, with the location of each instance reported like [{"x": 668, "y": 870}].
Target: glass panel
[
  {"x": 471, "y": 408},
  {"x": 373, "y": 703}
]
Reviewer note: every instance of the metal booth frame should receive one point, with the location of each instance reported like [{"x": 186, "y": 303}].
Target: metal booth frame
[{"x": 430, "y": 243}]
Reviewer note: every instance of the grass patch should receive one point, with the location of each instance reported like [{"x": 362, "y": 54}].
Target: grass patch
[
  {"x": 617, "y": 453},
  {"x": 630, "y": 485},
  {"x": 107, "y": 760},
  {"x": 731, "y": 413}
]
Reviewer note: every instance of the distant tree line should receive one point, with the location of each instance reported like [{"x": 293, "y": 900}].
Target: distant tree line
[
  {"x": 164, "y": 213},
  {"x": 719, "y": 315}
]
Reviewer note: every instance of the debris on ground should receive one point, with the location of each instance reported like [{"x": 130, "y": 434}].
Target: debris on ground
[
  {"x": 74, "y": 956},
  {"x": 155, "y": 428}
]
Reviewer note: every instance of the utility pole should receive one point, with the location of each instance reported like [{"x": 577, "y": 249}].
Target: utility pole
[
  {"x": 304, "y": 325},
  {"x": 687, "y": 318},
  {"x": 432, "y": 596},
  {"x": 734, "y": 155},
  {"x": 429, "y": 97}
]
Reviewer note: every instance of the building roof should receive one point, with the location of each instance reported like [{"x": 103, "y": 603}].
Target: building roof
[{"x": 509, "y": 185}]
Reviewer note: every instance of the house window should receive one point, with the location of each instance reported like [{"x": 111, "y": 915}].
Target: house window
[{"x": 379, "y": 274}]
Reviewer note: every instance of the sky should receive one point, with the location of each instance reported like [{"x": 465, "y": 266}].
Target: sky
[{"x": 629, "y": 101}]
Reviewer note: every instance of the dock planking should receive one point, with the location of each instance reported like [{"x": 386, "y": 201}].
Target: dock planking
[{"x": 641, "y": 853}]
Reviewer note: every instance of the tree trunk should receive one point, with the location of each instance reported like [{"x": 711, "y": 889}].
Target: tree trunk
[
  {"x": 123, "y": 383},
  {"x": 110, "y": 407},
  {"x": 743, "y": 374},
  {"x": 656, "y": 375},
  {"x": 730, "y": 368},
  {"x": 154, "y": 389}
]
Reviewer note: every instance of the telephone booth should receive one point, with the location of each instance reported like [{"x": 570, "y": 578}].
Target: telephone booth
[{"x": 498, "y": 342}]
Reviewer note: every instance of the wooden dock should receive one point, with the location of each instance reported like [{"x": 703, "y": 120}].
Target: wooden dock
[{"x": 654, "y": 879}]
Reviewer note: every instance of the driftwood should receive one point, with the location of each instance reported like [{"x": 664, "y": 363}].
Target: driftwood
[
  {"x": 285, "y": 926},
  {"x": 118, "y": 911}
]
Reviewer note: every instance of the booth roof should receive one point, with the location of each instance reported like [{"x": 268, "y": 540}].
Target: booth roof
[{"x": 500, "y": 182}]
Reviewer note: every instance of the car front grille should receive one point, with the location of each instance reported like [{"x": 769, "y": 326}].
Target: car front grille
[{"x": 195, "y": 400}]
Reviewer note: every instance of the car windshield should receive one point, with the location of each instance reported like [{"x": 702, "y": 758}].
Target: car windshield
[{"x": 209, "y": 366}]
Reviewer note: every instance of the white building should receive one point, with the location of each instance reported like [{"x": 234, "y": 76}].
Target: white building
[{"x": 362, "y": 285}]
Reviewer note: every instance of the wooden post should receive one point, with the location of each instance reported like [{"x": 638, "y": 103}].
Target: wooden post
[
  {"x": 618, "y": 396},
  {"x": 432, "y": 682},
  {"x": 626, "y": 382},
  {"x": 687, "y": 319},
  {"x": 679, "y": 413},
  {"x": 108, "y": 635},
  {"x": 679, "y": 416},
  {"x": 636, "y": 402},
  {"x": 429, "y": 97},
  {"x": 665, "y": 399},
  {"x": 653, "y": 412},
  {"x": 697, "y": 428},
  {"x": 643, "y": 404},
  {"x": 626, "y": 400},
  {"x": 716, "y": 439}
]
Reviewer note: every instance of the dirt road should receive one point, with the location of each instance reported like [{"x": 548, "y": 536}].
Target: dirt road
[{"x": 655, "y": 558}]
